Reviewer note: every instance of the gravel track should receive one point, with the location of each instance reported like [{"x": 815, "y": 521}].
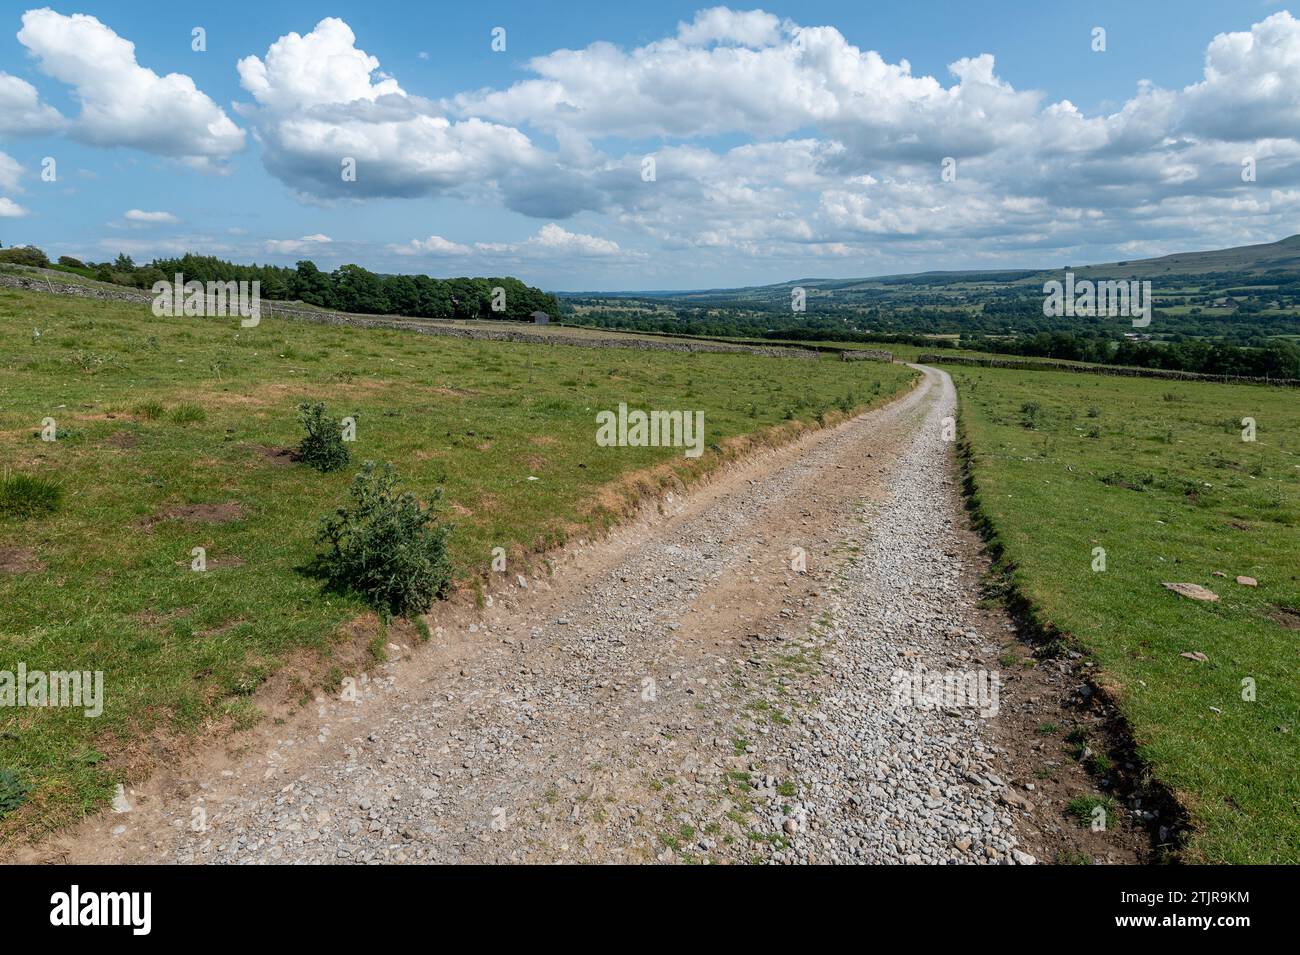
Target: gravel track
[{"x": 677, "y": 692}]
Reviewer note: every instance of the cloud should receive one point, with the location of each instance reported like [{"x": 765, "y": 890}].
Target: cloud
[
  {"x": 1251, "y": 85},
  {"x": 11, "y": 173},
  {"x": 122, "y": 102},
  {"x": 866, "y": 166},
  {"x": 720, "y": 24},
  {"x": 321, "y": 101},
  {"x": 772, "y": 140},
  {"x": 290, "y": 246},
  {"x": 434, "y": 245},
  {"x": 10, "y": 209},
  {"x": 733, "y": 72},
  {"x": 323, "y": 68},
  {"x": 149, "y": 218},
  {"x": 22, "y": 112},
  {"x": 551, "y": 241}
]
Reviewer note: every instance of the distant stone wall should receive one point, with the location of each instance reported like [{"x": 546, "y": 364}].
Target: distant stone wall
[
  {"x": 866, "y": 354},
  {"x": 424, "y": 327},
  {"x": 1121, "y": 370},
  {"x": 36, "y": 283}
]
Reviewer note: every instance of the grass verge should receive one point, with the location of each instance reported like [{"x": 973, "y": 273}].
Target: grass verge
[{"x": 1153, "y": 482}]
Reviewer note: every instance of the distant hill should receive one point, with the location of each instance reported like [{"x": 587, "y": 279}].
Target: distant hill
[
  {"x": 1251, "y": 259},
  {"x": 1283, "y": 254}
]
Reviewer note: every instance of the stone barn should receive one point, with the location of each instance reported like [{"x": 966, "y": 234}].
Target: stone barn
[{"x": 541, "y": 318}]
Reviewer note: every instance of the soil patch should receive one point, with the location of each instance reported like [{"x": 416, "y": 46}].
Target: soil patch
[
  {"x": 122, "y": 439},
  {"x": 276, "y": 455},
  {"x": 222, "y": 513},
  {"x": 19, "y": 560},
  {"x": 1288, "y": 617}
]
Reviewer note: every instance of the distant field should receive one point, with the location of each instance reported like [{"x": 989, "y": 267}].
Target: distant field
[
  {"x": 171, "y": 436},
  {"x": 1158, "y": 475}
]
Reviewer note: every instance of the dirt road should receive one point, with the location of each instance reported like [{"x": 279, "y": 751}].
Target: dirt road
[{"x": 731, "y": 679}]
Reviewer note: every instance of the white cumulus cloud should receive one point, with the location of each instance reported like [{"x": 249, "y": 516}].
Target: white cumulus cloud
[
  {"x": 553, "y": 239},
  {"x": 11, "y": 173},
  {"x": 122, "y": 102},
  {"x": 21, "y": 110},
  {"x": 321, "y": 101}
]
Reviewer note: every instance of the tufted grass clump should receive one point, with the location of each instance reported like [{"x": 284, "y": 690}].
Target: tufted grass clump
[
  {"x": 188, "y": 413},
  {"x": 22, "y": 495}
]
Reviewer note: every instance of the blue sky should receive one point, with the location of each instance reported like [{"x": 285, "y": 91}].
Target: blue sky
[{"x": 801, "y": 140}]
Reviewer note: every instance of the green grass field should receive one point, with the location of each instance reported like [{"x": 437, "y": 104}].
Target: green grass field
[
  {"x": 169, "y": 433},
  {"x": 1158, "y": 475}
]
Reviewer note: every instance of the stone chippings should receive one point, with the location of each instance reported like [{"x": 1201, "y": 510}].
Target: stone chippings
[{"x": 886, "y": 783}]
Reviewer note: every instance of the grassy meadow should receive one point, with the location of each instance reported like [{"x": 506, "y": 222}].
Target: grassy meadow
[
  {"x": 1158, "y": 475},
  {"x": 173, "y": 434}
]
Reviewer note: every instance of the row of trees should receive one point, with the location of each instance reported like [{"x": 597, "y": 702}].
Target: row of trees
[
  {"x": 1271, "y": 359},
  {"x": 352, "y": 288},
  {"x": 349, "y": 288}
]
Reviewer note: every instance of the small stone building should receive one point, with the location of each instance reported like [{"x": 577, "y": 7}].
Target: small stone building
[{"x": 541, "y": 318}]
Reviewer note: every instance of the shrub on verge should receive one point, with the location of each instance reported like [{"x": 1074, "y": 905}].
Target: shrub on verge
[{"x": 387, "y": 547}]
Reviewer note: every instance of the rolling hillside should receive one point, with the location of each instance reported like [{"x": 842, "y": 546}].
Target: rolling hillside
[{"x": 1282, "y": 255}]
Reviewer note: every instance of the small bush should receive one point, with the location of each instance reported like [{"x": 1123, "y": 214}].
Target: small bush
[
  {"x": 188, "y": 414},
  {"x": 386, "y": 547},
  {"x": 322, "y": 446},
  {"x": 24, "y": 496},
  {"x": 12, "y": 791}
]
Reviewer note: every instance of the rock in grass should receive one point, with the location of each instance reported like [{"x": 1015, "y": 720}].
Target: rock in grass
[
  {"x": 1248, "y": 581},
  {"x": 1194, "y": 591},
  {"x": 120, "y": 803}
]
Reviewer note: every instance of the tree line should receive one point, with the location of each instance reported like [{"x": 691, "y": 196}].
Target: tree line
[
  {"x": 349, "y": 288},
  {"x": 1274, "y": 359},
  {"x": 1262, "y": 357}
]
